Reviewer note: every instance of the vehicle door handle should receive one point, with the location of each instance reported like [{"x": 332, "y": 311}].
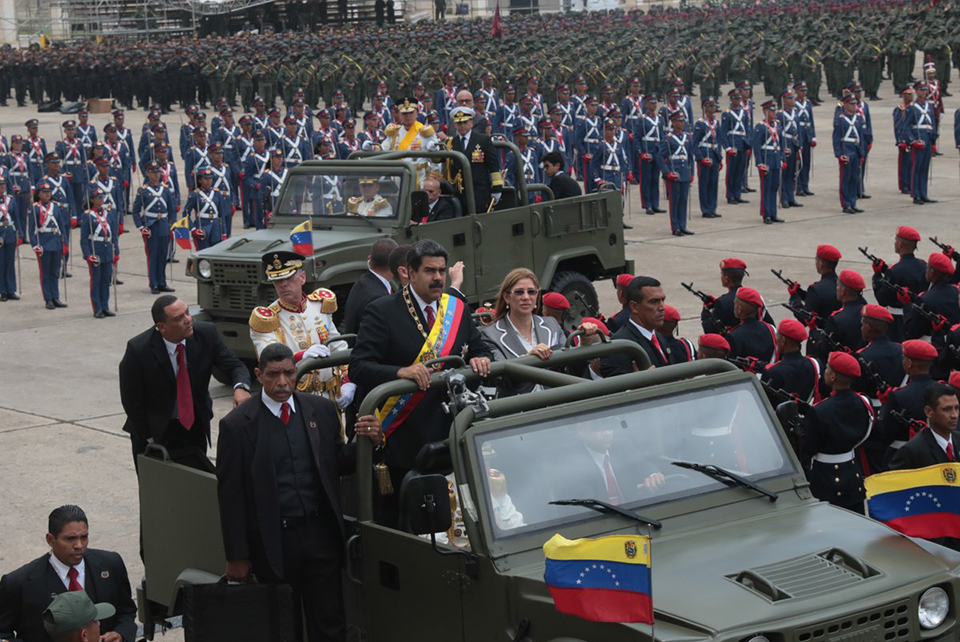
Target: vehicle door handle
[
  {"x": 538, "y": 223},
  {"x": 353, "y": 553},
  {"x": 477, "y": 233}
]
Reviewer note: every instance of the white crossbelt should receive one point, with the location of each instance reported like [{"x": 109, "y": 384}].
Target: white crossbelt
[
  {"x": 681, "y": 152},
  {"x": 841, "y": 458},
  {"x": 852, "y": 122},
  {"x": 203, "y": 210},
  {"x": 157, "y": 196}
]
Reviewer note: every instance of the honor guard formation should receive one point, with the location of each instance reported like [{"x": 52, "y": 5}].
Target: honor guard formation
[{"x": 865, "y": 363}]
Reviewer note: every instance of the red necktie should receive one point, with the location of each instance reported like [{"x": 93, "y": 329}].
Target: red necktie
[
  {"x": 613, "y": 490},
  {"x": 431, "y": 316},
  {"x": 950, "y": 450},
  {"x": 656, "y": 344},
  {"x": 74, "y": 584},
  {"x": 184, "y": 394},
  {"x": 285, "y": 413}
]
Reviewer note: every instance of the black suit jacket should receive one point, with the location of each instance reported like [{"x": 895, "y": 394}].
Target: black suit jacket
[
  {"x": 247, "y": 482},
  {"x": 367, "y": 288},
  {"x": 564, "y": 187},
  {"x": 26, "y": 592},
  {"x": 148, "y": 387},
  {"x": 442, "y": 211},
  {"x": 389, "y": 340},
  {"x": 583, "y": 479},
  {"x": 485, "y": 171},
  {"x": 923, "y": 450},
  {"x": 617, "y": 364}
]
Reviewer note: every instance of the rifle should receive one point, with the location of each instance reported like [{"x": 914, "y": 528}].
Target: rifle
[
  {"x": 594, "y": 312},
  {"x": 947, "y": 249},
  {"x": 913, "y": 425},
  {"x": 708, "y": 302},
  {"x": 749, "y": 364},
  {"x": 938, "y": 321},
  {"x": 876, "y": 260},
  {"x": 898, "y": 289},
  {"x": 805, "y": 315},
  {"x": 790, "y": 283},
  {"x": 876, "y": 380}
]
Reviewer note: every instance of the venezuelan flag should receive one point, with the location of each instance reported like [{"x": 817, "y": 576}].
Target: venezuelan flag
[
  {"x": 924, "y": 502},
  {"x": 181, "y": 232},
  {"x": 302, "y": 238},
  {"x": 603, "y": 580}
]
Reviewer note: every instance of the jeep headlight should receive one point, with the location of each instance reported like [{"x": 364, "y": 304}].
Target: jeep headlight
[
  {"x": 933, "y": 608},
  {"x": 204, "y": 268}
]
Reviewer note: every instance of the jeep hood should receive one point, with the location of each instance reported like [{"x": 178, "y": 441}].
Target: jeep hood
[{"x": 255, "y": 244}]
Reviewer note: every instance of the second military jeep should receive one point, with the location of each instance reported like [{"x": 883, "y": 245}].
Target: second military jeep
[{"x": 568, "y": 243}]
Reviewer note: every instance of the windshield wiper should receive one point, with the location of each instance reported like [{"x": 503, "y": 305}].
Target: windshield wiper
[
  {"x": 604, "y": 507},
  {"x": 368, "y": 222},
  {"x": 725, "y": 476}
]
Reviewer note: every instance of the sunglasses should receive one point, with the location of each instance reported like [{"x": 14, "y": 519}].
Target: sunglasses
[{"x": 530, "y": 292}]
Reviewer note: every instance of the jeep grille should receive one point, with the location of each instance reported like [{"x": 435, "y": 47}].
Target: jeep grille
[
  {"x": 886, "y": 624},
  {"x": 235, "y": 285}
]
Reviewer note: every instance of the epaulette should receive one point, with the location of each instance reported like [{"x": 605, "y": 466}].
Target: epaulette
[
  {"x": 379, "y": 203},
  {"x": 353, "y": 204},
  {"x": 391, "y": 130},
  {"x": 264, "y": 320},
  {"x": 328, "y": 300},
  {"x": 427, "y": 131}
]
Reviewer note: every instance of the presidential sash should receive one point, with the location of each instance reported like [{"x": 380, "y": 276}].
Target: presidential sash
[
  {"x": 411, "y": 135},
  {"x": 439, "y": 342}
]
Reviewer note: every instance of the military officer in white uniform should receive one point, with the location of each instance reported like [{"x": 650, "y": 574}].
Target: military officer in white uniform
[
  {"x": 369, "y": 203},
  {"x": 410, "y": 134},
  {"x": 302, "y": 322}
]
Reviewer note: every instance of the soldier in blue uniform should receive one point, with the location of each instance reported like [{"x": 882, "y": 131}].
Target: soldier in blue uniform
[
  {"x": 527, "y": 118},
  {"x": 507, "y": 113},
  {"x": 555, "y": 138},
  {"x": 650, "y": 134},
  {"x": 675, "y": 160},
  {"x": 808, "y": 138},
  {"x": 789, "y": 118},
  {"x": 579, "y": 98},
  {"x": 295, "y": 148},
  {"x": 11, "y": 235},
  {"x": 270, "y": 182},
  {"x": 529, "y": 160},
  {"x": 257, "y": 162},
  {"x": 706, "y": 149},
  {"x": 673, "y": 104},
  {"x": 902, "y": 139},
  {"x": 223, "y": 183},
  {"x": 45, "y": 225},
  {"x": 843, "y": 325},
  {"x": 227, "y": 135},
  {"x": 36, "y": 149},
  {"x": 565, "y": 107},
  {"x": 62, "y": 194},
  {"x": 73, "y": 158},
  {"x": 120, "y": 161},
  {"x": 793, "y": 372},
  {"x": 735, "y": 135},
  {"x": 768, "y": 153},
  {"x": 86, "y": 132},
  {"x": 752, "y": 338},
  {"x": 125, "y": 136},
  {"x": 17, "y": 171},
  {"x": 632, "y": 108},
  {"x": 849, "y": 146},
  {"x": 746, "y": 100},
  {"x": 197, "y": 157},
  {"x": 820, "y": 298},
  {"x": 588, "y": 136},
  {"x": 611, "y": 163},
  {"x": 921, "y": 133},
  {"x": 491, "y": 95},
  {"x": 153, "y": 209},
  {"x": 863, "y": 111},
  {"x": 99, "y": 234},
  {"x": 107, "y": 183},
  {"x": 211, "y": 209}
]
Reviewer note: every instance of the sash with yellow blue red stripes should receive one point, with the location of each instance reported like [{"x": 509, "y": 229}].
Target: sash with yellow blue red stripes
[{"x": 443, "y": 334}]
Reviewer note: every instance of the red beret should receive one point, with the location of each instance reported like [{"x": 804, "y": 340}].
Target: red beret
[
  {"x": 792, "y": 329},
  {"x": 733, "y": 263},
  {"x": 940, "y": 263},
  {"x": 623, "y": 280},
  {"x": 919, "y": 350},
  {"x": 877, "y": 312},
  {"x": 828, "y": 253},
  {"x": 670, "y": 313},
  {"x": 715, "y": 341},
  {"x": 844, "y": 364},
  {"x": 751, "y": 296},
  {"x": 954, "y": 379},
  {"x": 907, "y": 233},
  {"x": 852, "y": 279},
  {"x": 556, "y": 301},
  {"x": 597, "y": 322}
]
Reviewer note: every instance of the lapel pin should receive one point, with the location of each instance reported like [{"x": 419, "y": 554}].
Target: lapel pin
[
  {"x": 105, "y": 574},
  {"x": 313, "y": 425}
]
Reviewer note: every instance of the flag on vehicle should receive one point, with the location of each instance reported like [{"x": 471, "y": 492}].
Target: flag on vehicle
[
  {"x": 603, "y": 580},
  {"x": 302, "y": 238},
  {"x": 923, "y": 502},
  {"x": 181, "y": 232}
]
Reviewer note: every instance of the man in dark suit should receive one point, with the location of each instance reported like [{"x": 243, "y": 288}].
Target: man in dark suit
[
  {"x": 279, "y": 461},
  {"x": 645, "y": 298},
  {"x": 439, "y": 209},
  {"x": 484, "y": 162},
  {"x": 371, "y": 285},
  {"x": 165, "y": 379},
  {"x": 393, "y": 344},
  {"x": 562, "y": 185},
  {"x": 937, "y": 443},
  {"x": 69, "y": 566}
]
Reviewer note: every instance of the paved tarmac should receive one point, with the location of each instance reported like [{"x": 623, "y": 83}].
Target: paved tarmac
[{"x": 60, "y": 414}]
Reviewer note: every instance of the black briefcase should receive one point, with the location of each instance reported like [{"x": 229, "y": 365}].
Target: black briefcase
[{"x": 224, "y": 612}]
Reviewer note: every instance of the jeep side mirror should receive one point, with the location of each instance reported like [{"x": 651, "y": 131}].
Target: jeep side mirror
[
  {"x": 426, "y": 499},
  {"x": 419, "y": 205}
]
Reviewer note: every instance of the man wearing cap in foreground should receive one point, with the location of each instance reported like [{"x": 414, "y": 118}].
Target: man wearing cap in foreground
[
  {"x": 484, "y": 163},
  {"x": 905, "y": 404},
  {"x": 719, "y": 310},
  {"x": 753, "y": 338},
  {"x": 937, "y": 442},
  {"x": 909, "y": 272},
  {"x": 833, "y": 430},
  {"x": 303, "y": 322},
  {"x": 712, "y": 346},
  {"x": 617, "y": 321},
  {"x": 53, "y": 592},
  {"x": 645, "y": 299},
  {"x": 850, "y": 148}
]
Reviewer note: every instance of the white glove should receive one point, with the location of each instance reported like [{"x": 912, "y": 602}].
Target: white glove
[
  {"x": 316, "y": 350},
  {"x": 345, "y": 397},
  {"x": 496, "y": 197}
]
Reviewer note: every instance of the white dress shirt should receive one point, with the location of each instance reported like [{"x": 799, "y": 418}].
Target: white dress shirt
[
  {"x": 62, "y": 569},
  {"x": 465, "y": 140},
  {"x": 172, "y": 353},
  {"x": 276, "y": 406},
  {"x": 941, "y": 441}
]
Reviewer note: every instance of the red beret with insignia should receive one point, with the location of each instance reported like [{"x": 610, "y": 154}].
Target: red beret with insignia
[
  {"x": 844, "y": 364},
  {"x": 751, "y": 296},
  {"x": 734, "y": 262},
  {"x": 878, "y": 312}
]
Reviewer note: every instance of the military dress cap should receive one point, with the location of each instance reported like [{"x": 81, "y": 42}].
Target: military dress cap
[
  {"x": 521, "y": 130},
  {"x": 216, "y": 148},
  {"x": 798, "y": 86},
  {"x": 279, "y": 266},
  {"x": 323, "y": 113},
  {"x": 338, "y": 92},
  {"x": 101, "y": 161},
  {"x": 556, "y": 301},
  {"x": 793, "y": 329},
  {"x": 677, "y": 82},
  {"x": 733, "y": 263},
  {"x": 154, "y": 115},
  {"x": 51, "y": 157},
  {"x": 715, "y": 341},
  {"x": 678, "y": 114},
  {"x": 205, "y": 172},
  {"x": 828, "y": 253},
  {"x": 349, "y": 123},
  {"x": 369, "y": 116},
  {"x": 246, "y": 118},
  {"x": 878, "y": 312},
  {"x": 920, "y": 84},
  {"x": 954, "y": 379},
  {"x": 927, "y": 66},
  {"x": 276, "y": 112},
  {"x": 509, "y": 88},
  {"x": 33, "y": 122},
  {"x": 623, "y": 280},
  {"x": 462, "y": 114},
  {"x": 852, "y": 280},
  {"x": 152, "y": 166},
  {"x": 919, "y": 350},
  {"x": 258, "y": 101},
  {"x": 751, "y": 296},
  {"x": 96, "y": 192},
  {"x": 159, "y": 127},
  {"x": 367, "y": 180},
  {"x": 321, "y": 141},
  {"x": 941, "y": 263},
  {"x": 563, "y": 87},
  {"x": 116, "y": 113},
  {"x": 289, "y": 120},
  {"x": 277, "y": 153},
  {"x": 69, "y": 124},
  {"x": 44, "y": 186},
  {"x": 545, "y": 123},
  {"x": 260, "y": 136},
  {"x": 709, "y": 100},
  {"x": 72, "y": 611},
  {"x": 734, "y": 92},
  {"x": 16, "y": 138},
  {"x": 844, "y": 364},
  {"x": 526, "y": 100},
  {"x": 652, "y": 97},
  {"x": 770, "y": 104},
  {"x": 601, "y": 326},
  {"x": 226, "y": 111},
  {"x": 433, "y": 116},
  {"x": 109, "y": 127},
  {"x": 670, "y": 313},
  {"x": 83, "y": 111},
  {"x": 200, "y": 116},
  {"x": 906, "y": 89},
  {"x": 744, "y": 84},
  {"x": 591, "y": 100},
  {"x": 160, "y": 147},
  {"x": 673, "y": 91},
  {"x": 609, "y": 123},
  {"x": 408, "y": 105},
  {"x": 907, "y": 233},
  {"x": 786, "y": 93},
  {"x": 200, "y": 131}
]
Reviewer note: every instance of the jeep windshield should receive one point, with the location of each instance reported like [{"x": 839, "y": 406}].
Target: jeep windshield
[
  {"x": 623, "y": 454},
  {"x": 340, "y": 195}
]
